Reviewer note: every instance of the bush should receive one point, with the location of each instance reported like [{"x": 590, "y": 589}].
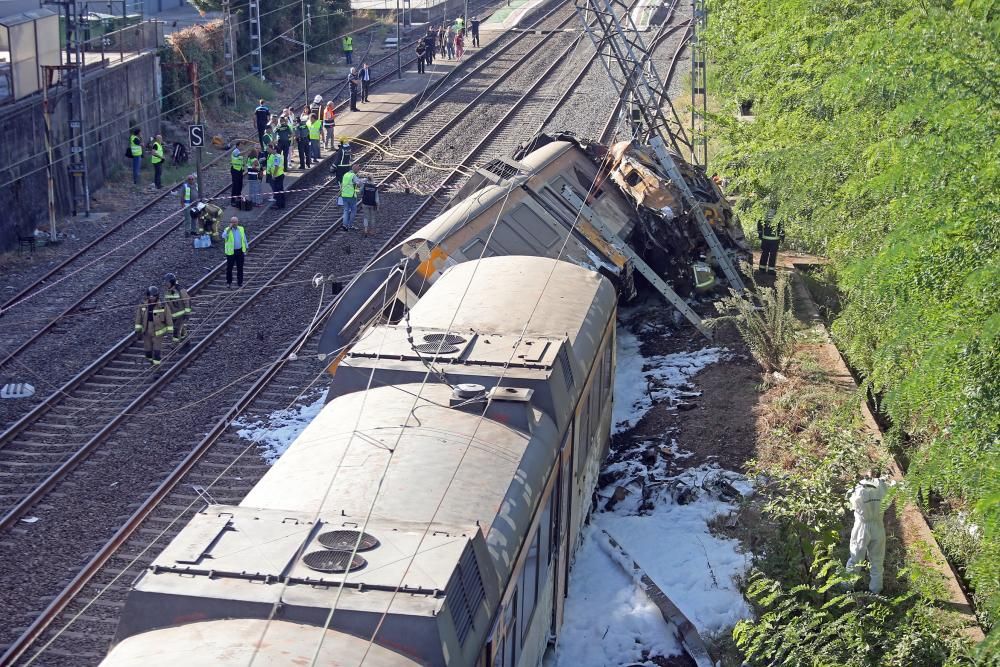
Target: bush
[
  {"x": 824, "y": 622},
  {"x": 763, "y": 316},
  {"x": 876, "y": 133}
]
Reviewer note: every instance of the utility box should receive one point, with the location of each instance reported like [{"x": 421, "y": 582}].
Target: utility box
[{"x": 28, "y": 42}]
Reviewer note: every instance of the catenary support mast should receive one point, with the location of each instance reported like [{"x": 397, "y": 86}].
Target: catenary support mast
[{"x": 631, "y": 70}]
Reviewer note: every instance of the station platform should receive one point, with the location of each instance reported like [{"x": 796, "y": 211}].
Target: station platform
[{"x": 388, "y": 102}]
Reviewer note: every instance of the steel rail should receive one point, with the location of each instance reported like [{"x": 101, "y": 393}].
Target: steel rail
[
  {"x": 12, "y": 515},
  {"x": 38, "y": 282},
  {"x": 26, "y": 420},
  {"x": 19, "y": 646}
]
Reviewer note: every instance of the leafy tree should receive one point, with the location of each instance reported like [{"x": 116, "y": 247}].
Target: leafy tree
[{"x": 876, "y": 132}]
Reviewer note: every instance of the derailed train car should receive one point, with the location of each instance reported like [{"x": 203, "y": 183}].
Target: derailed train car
[
  {"x": 429, "y": 514},
  {"x": 605, "y": 208}
]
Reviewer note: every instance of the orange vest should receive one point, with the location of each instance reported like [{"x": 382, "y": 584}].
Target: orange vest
[{"x": 328, "y": 114}]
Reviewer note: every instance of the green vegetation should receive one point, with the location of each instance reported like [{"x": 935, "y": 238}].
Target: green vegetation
[
  {"x": 282, "y": 53},
  {"x": 876, "y": 139},
  {"x": 809, "y": 611},
  {"x": 763, "y": 316}
]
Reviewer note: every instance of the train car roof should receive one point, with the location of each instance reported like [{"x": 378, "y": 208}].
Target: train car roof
[
  {"x": 232, "y": 642},
  {"x": 400, "y": 453},
  {"x": 543, "y": 297},
  {"x": 457, "y": 216}
]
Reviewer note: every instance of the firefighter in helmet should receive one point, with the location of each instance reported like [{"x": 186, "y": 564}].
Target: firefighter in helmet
[
  {"x": 152, "y": 322},
  {"x": 179, "y": 304}
]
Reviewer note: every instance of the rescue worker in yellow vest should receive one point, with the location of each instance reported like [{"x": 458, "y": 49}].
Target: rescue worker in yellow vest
[
  {"x": 348, "y": 45},
  {"x": 179, "y": 304},
  {"x": 348, "y": 192},
  {"x": 276, "y": 170},
  {"x": 315, "y": 130},
  {"x": 135, "y": 151},
  {"x": 237, "y": 167},
  {"x": 152, "y": 322},
  {"x": 236, "y": 250},
  {"x": 156, "y": 158},
  {"x": 771, "y": 235},
  {"x": 189, "y": 197}
]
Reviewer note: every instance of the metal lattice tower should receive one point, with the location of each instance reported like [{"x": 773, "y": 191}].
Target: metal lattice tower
[
  {"x": 256, "y": 48},
  {"x": 629, "y": 66},
  {"x": 699, "y": 87}
]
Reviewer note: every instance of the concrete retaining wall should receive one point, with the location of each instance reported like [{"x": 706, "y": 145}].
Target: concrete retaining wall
[{"x": 116, "y": 99}]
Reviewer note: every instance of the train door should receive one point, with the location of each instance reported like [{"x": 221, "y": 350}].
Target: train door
[{"x": 560, "y": 533}]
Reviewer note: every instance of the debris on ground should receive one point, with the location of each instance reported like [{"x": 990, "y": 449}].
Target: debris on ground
[{"x": 275, "y": 432}]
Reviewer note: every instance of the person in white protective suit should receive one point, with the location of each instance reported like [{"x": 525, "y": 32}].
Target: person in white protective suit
[{"x": 868, "y": 534}]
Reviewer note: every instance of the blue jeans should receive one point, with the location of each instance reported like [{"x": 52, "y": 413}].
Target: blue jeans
[
  {"x": 136, "y": 166},
  {"x": 347, "y": 57},
  {"x": 314, "y": 148},
  {"x": 350, "y": 210}
]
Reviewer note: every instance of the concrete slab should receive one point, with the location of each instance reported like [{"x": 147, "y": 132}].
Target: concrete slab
[{"x": 511, "y": 16}]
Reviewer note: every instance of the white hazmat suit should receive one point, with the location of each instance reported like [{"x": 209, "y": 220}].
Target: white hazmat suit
[{"x": 868, "y": 534}]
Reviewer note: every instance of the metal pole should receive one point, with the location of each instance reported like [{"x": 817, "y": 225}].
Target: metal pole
[
  {"x": 196, "y": 89},
  {"x": 465, "y": 17},
  {"x": 305, "y": 64},
  {"x": 48, "y": 154},
  {"x": 399, "y": 58}
]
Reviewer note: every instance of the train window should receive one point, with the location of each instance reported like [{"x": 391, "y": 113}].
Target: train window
[
  {"x": 510, "y": 638},
  {"x": 529, "y": 582}
]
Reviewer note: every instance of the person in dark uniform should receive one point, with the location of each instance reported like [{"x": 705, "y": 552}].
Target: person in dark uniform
[
  {"x": 354, "y": 82},
  {"x": 261, "y": 116},
  {"x": 771, "y": 234},
  {"x": 430, "y": 41},
  {"x": 421, "y": 56},
  {"x": 474, "y": 27}
]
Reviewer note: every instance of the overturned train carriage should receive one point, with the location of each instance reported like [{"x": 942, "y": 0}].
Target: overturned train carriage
[
  {"x": 428, "y": 515},
  {"x": 608, "y": 209}
]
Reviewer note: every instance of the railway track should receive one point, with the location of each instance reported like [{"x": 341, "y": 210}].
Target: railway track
[
  {"x": 41, "y": 448},
  {"x": 97, "y": 278},
  {"x": 218, "y": 467}
]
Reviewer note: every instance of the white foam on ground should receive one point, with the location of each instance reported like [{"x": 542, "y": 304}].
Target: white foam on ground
[
  {"x": 609, "y": 620},
  {"x": 275, "y": 432},
  {"x": 640, "y": 381}
]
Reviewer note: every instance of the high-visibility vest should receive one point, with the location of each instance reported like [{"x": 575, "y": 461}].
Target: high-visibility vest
[
  {"x": 347, "y": 185},
  {"x": 231, "y": 242},
  {"x": 348, "y": 43},
  {"x": 238, "y": 163},
  {"x": 188, "y": 190},
  {"x": 136, "y": 146},
  {"x": 328, "y": 115},
  {"x": 314, "y": 128},
  {"x": 157, "y": 156},
  {"x": 276, "y": 165}
]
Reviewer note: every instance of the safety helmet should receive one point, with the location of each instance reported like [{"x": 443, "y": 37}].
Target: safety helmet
[
  {"x": 317, "y": 99},
  {"x": 153, "y": 292},
  {"x": 170, "y": 279}
]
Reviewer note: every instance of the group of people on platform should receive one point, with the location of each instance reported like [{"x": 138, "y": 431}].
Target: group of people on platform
[{"x": 445, "y": 42}]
